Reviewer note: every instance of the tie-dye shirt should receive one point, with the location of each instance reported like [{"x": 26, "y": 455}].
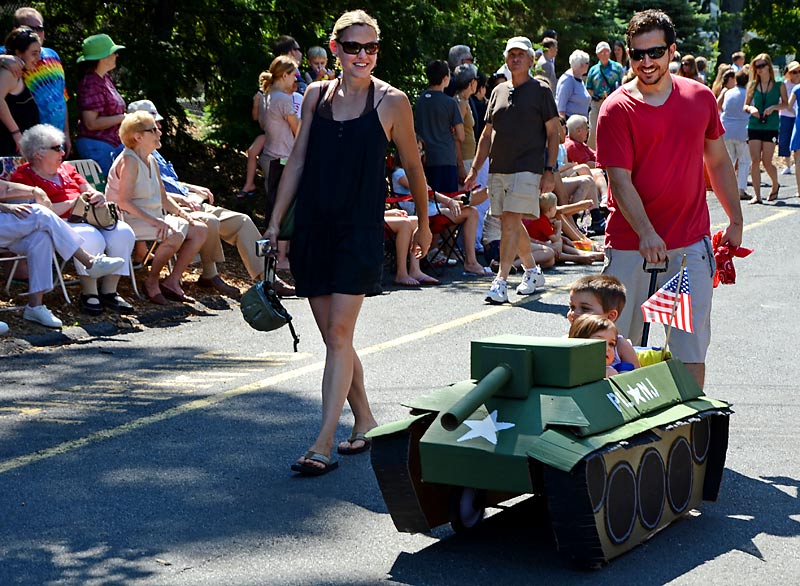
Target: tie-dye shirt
[{"x": 48, "y": 87}]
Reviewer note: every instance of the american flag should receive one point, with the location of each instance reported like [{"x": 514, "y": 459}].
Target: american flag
[{"x": 658, "y": 308}]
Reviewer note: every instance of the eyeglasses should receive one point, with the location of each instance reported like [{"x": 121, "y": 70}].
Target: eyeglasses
[
  {"x": 652, "y": 52},
  {"x": 511, "y": 96},
  {"x": 686, "y": 62},
  {"x": 760, "y": 65},
  {"x": 297, "y": 48},
  {"x": 154, "y": 130},
  {"x": 353, "y": 48},
  {"x": 57, "y": 148}
]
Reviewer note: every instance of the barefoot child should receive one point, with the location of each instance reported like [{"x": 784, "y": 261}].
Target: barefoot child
[
  {"x": 258, "y": 113},
  {"x": 602, "y": 295},
  {"x": 594, "y": 327}
]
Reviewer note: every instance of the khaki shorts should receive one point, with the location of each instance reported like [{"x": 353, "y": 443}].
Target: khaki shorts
[
  {"x": 626, "y": 265},
  {"x": 514, "y": 192}
]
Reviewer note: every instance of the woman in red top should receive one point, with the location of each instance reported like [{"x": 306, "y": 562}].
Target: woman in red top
[{"x": 43, "y": 146}]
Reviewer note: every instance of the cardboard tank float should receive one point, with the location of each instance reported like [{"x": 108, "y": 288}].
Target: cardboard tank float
[{"x": 614, "y": 460}]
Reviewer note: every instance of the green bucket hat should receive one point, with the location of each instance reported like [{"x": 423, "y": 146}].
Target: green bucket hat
[{"x": 98, "y": 47}]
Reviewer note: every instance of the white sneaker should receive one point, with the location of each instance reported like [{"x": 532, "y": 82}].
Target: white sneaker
[
  {"x": 103, "y": 265},
  {"x": 498, "y": 292},
  {"x": 787, "y": 171},
  {"x": 531, "y": 280},
  {"x": 3, "y": 328},
  {"x": 41, "y": 315}
]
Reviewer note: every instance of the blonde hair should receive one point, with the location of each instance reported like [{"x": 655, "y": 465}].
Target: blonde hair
[
  {"x": 280, "y": 66},
  {"x": 588, "y": 324},
  {"x": 351, "y": 18},
  {"x": 751, "y": 90},
  {"x": 547, "y": 201},
  {"x": 136, "y": 122},
  {"x": 262, "y": 79}
]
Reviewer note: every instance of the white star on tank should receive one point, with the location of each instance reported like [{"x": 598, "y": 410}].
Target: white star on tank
[{"x": 486, "y": 428}]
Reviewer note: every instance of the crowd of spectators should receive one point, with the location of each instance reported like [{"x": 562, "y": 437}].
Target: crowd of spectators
[{"x": 461, "y": 107}]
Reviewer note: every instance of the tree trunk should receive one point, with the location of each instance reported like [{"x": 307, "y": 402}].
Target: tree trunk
[{"x": 730, "y": 29}]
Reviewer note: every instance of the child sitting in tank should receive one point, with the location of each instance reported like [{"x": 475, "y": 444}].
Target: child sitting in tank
[
  {"x": 595, "y": 327},
  {"x": 602, "y": 295}
]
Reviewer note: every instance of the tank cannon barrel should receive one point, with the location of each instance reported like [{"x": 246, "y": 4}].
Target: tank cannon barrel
[{"x": 466, "y": 405}]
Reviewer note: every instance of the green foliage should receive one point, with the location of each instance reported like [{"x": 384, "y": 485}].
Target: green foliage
[
  {"x": 777, "y": 24},
  {"x": 212, "y": 52}
]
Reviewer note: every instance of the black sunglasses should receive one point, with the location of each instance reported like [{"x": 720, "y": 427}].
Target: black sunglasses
[
  {"x": 354, "y": 48},
  {"x": 760, "y": 65},
  {"x": 38, "y": 29},
  {"x": 652, "y": 52},
  {"x": 57, "y": 148},
  {"x": 153, "y": 130}
]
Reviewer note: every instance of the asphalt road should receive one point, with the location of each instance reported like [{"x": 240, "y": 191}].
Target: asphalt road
[{"x": 162, "y": 456}]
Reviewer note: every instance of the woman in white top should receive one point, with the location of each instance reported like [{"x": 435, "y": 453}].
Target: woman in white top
[{"x": 134, "y": 182}]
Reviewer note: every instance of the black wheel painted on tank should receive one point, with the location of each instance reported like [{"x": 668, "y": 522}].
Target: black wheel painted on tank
[
  {"x": 596, "y": 480},
  {"x": 621, "y": 503},
  {"x": 701, "y": 439},
  {"x": 467, "y": 508},
  {"x": 651, "y": 488},
  {"x": 680, "y": 475}
]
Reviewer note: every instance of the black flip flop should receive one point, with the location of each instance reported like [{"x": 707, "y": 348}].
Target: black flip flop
[{"x": 353, "y": 451}]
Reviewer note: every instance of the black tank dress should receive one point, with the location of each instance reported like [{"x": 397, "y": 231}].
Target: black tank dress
[
  {"x": 25, "y": 113},
  {"x": 337, "y": 245}
]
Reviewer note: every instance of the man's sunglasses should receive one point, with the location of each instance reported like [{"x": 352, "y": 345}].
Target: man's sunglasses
[
  {"x": 652, "y": 52},
  {"x": 354, "y": 48}
]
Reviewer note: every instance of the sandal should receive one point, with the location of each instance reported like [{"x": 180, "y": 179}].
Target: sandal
[
  {"x": 773, "y": 195},
  {"x": 311, "y": 470},
  {"x": 351, "y": 451},
  {"x": 91, "y": 308}
]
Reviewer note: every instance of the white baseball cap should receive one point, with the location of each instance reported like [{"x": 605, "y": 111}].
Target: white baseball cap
[
  {"x": 523, "y": 43},
  {"x": 601, "y": 46}
]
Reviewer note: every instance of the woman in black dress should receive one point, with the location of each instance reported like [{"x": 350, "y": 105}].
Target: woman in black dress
[{"x": 337, "y": 245}]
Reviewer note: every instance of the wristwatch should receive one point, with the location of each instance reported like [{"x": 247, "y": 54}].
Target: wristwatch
[{"x": 551, "y": 168}]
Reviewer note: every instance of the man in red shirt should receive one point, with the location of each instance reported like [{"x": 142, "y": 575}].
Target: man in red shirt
[{"x": 657, "y": 202}]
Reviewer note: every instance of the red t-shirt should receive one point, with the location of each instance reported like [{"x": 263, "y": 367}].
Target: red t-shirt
[
  {"x": 68, "y": 190},
  {"x": 663, "y": 148},
  {"x": 539, "y": 229},
  {"x": 579, "y": 152}
]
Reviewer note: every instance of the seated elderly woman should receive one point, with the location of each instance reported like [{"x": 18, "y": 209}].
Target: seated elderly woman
[
  {"x": 30, "y": 228},
  {"x": 43, "y": 147},
  {"x": 134, "y": 183}
]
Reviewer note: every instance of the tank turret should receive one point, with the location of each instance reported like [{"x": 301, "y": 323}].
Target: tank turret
[{"x": 615, "y": 460}]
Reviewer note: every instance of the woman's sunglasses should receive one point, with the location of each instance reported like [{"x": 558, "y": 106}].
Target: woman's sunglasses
[
  {"x": 354, "y": 48},
  {"x": 652, "y": 52}
]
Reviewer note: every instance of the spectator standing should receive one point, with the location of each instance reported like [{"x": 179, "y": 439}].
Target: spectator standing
[
  {"x": 571, "y": 95},
  {"x": 791, "y": 77},
  {"x": 548, "y": 60},
  {"x": 18, "y": 110},
  {"x": 45, "y": 80},
  {"x": 765, "y": 97},
  {"x": 101, "y": 108},
  {"x": 689, "y": 69},
  {"x": 657, "y": 196},
  {"x": 737, "y": 61},
  {"x": 440, "y": 125},
  {"x": 734, "y": 119},
  {"x": 621, "y": 55},
  {"x": 521, "y": 139},
  {"x": 702, "y": 68},
  {"x": 286, "y": 45},
  {"x": 604, "y": 77}
]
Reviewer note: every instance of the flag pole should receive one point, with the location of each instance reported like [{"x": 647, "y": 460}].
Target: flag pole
[{"x": 674, "y": 309}]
